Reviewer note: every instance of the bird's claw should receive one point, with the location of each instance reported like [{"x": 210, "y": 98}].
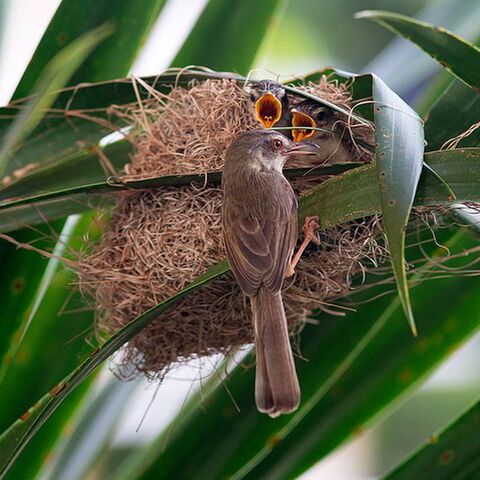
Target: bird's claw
[{"x": 311, "y": 224}]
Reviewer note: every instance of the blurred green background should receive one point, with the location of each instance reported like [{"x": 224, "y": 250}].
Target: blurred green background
[{"x": 310, "y": 34}]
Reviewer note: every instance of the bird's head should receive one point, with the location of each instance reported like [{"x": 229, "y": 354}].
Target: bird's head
[
  {"x": 268, "y": 97},
  {"x": 307, "y": 115},
  {"x": 264, "y": 150}
]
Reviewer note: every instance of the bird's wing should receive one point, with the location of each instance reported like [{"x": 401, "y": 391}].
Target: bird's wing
[{"x": 258, "y": 250}]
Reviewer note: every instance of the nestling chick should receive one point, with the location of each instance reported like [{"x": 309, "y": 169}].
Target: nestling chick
[
  {"x": 311, "y": 114},
  {"x": 271, "y": 103}
]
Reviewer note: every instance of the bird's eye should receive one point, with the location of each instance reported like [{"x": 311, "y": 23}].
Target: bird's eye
[
  {"x": 277, "y": 144},
  {"x": 321, "y": 114}
]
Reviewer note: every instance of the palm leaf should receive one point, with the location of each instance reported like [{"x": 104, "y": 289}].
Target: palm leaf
[
  {"x": 131, "y": 22},
  {"x": 452, "y": 454},
  {"x": 53, "y": 78},
  {"x": 399, "y": 155},
  {"x": 454, "y": 53},
  {"x": 452, "y": 114},
  {"x": 16, "y": 437},
  {"x": 223, "y": 23}
]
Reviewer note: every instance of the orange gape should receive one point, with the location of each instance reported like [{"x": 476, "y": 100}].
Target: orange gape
[
  {"x": 300, "y": 119},
  {"x": 268, "y": 109}
]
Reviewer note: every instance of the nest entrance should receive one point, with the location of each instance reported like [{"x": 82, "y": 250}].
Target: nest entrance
[{"x": 160, "y": 240}]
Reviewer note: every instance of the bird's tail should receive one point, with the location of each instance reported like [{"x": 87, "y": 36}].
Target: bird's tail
[{"x": 276, "y": 384}]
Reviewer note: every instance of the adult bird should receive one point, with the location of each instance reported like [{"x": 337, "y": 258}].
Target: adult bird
[{"x": 260, "y": 231}]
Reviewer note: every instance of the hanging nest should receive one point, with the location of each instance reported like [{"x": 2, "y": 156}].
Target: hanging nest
[{"x": 159, "y": 240}]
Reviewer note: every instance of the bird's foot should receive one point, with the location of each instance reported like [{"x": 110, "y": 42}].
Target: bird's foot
[{"x": 309, "y": 227}]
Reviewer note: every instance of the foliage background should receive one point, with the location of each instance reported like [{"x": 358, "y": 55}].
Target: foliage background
[{"x": 311, "y": 34}]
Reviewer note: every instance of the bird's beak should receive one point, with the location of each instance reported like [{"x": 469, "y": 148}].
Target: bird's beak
[
  {"x": 300, "y": 119},
  {"x": 304, "y": 148},
  {"x": 268, "y": 109}
]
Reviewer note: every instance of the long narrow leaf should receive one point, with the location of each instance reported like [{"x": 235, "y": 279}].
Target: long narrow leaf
[
  {"x": 93, "y": 429},
  {"x": 454, "y": 53},
  {"x": 113, "y": 184},
  {"x": 47, "y": 345},
  {"x": 453, "y": 114},
  {"x": 399, "y": 155},
  {"x": 237, "y": 29},
  {"x": 452, "y": 454},
  {"x": 407, "y": 82},
  {"x": 53, "y": 78},
  {"x": 14, "y": 440},
  {"x": 131, "y": 23}
]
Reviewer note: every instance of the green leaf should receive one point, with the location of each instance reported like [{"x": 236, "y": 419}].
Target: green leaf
[
  {"x": 399, "y": 150},
  {"x": 37, "y": 453},
  {"x": 52, "y": 79},
  {"x": 454, "y": 53},
  {"x": 131, "y": 22},
  {"x": 81, "y": 169},
  {"x": 16, "y": 437},
  {"x": 355, "y": 194},
  {"x": 20, "y": 279},
  {"x": 26, "y": 195},
  {"x": 408, "y": 82},
  {"x": 228, "y": 34},
  {"x": 46, "y": 347},
  {"x": 40, "y": 281},
  {"x": 453, "y": 113},
  {"x": 355, "y": 367},
  {"x": 433, "y": 92},
  {"x": 85, "y": 441},
  {"x": 452, "y": 454}
]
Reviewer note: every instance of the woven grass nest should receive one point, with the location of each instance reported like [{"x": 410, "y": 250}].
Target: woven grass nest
[{"x": 159, "y": 240}]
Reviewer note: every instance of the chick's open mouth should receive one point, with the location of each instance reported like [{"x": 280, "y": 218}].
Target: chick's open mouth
[
  {"x": 268, "y": 109},
  {"x": 300, "y": 119}
]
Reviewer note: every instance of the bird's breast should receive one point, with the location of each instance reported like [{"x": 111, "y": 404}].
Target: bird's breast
[{"x": 260, "y": 195}]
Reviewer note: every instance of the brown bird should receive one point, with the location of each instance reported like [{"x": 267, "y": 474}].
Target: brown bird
[
  {"x": 260, "y": 230},
  {"x": 271, "y": 103},
  {"x": 309, "y": 113}
]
